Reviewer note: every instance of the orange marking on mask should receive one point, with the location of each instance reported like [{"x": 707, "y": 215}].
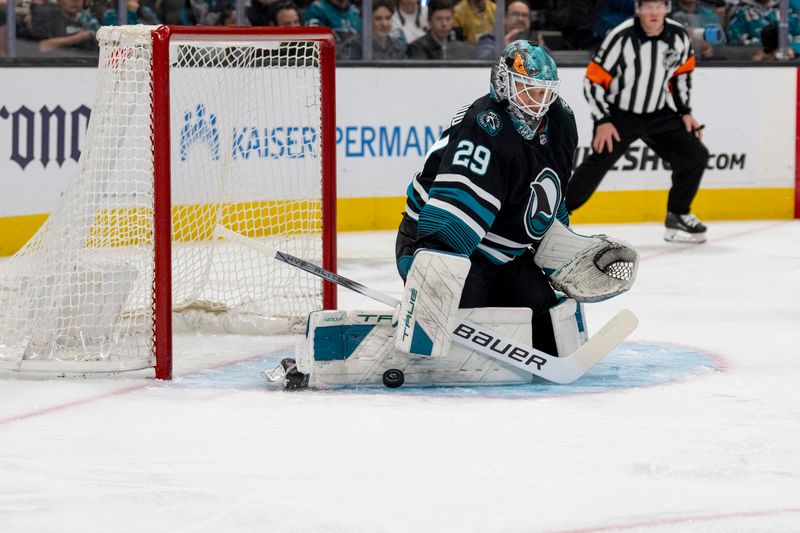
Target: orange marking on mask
[{"x": 518, "y": 66}]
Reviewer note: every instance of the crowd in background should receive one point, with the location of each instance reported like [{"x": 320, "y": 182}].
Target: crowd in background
[{"x": 410, "y": 29}]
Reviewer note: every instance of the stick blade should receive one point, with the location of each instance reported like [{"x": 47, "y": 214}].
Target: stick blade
[{"x": 604, "y": 341}]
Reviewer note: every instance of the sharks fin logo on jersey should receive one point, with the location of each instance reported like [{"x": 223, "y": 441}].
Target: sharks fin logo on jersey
[
  {"x": 543, "y": 204},
  {"x": 490, "y": 122}
]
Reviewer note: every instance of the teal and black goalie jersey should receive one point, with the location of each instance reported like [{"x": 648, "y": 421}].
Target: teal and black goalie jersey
[{"x": 485, "y": 189}]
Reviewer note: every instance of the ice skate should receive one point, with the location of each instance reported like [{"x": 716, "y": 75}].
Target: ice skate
[
  {"x": 684, "y": 228},
  {"x": 286, "y": 373}
]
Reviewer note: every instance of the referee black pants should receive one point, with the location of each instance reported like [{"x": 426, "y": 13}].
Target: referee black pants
[{"x": 665, "y": 133}]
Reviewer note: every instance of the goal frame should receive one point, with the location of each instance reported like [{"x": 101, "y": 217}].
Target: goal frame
[{"x": 160, "y": 141}]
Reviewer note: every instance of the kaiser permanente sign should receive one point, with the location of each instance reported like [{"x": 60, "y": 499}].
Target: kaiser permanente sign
[{"x": 387, "y": 118}]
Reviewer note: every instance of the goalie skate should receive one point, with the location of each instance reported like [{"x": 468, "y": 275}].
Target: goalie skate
[{"x": 287, "y": 375}]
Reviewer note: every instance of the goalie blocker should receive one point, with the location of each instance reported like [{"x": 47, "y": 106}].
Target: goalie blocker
[{"x": 357, "y": 348}]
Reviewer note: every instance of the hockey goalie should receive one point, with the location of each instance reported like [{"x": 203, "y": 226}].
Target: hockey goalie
[{"x": 495, "y": 280}]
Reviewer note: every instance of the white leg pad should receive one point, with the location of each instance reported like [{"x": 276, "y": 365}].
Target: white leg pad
[
  {"x": 432, "y": 294},
  {"x": 355, "y": 348},
  {"x": 569, "y": 326}
]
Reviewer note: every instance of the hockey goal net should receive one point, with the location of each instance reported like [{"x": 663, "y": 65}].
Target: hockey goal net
[{"x": 191, "y": 128}]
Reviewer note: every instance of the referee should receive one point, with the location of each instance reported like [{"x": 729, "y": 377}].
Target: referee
[{"x": 638, "y": 86}]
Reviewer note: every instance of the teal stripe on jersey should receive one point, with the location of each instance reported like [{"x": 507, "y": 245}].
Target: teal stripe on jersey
[
  {"x": 467, "y": 200},
  {"x": 562, "y": 214},
  {"x": 410, "y": 193},
  {"x": 449, "y": 228}
]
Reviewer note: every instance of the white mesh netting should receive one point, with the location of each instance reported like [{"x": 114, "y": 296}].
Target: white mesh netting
[{"x": 245, "y": 152}]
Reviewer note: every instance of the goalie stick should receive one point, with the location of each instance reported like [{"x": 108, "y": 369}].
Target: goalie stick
[{"x": 474, "y": 336}]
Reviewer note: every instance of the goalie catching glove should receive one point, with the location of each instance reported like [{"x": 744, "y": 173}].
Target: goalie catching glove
[{"x": 586, "y": 268}]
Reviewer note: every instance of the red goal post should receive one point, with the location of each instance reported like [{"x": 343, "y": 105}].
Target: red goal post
[{"x": 161, "y": 135}]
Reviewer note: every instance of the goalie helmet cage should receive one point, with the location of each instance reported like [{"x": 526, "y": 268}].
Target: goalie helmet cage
[{"x": 192, "y": 127}]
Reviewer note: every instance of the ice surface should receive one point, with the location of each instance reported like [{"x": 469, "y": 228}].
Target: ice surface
[{"x": 693, "y": 425}]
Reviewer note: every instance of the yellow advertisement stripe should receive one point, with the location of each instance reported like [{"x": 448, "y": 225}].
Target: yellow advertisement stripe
[
  {"x": 360, "y": 214},
  {"x": 709, "y": 204},
  {"x": 195, "y": 222},
  {"x": 190, "y": 223},
  {"x": 15, "y": 231}
]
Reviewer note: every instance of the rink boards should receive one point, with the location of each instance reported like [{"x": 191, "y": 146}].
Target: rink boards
[{"x": 388, "y": 118}]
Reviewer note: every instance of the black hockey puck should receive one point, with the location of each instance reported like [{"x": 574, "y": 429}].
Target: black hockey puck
[{"x": 393, "y": 378}]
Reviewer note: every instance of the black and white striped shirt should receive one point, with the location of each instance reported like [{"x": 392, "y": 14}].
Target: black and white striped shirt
[{"x": 640, "y": 74}]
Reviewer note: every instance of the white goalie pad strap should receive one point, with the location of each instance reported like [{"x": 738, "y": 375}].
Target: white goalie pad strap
[
  {"x": 586, "y": 268},
  {"x": 569, "y": 326},
  {"x": 432, "y": 294}
]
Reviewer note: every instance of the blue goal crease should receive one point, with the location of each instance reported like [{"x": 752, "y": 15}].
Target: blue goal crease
[{"x": 630, "y": 365}]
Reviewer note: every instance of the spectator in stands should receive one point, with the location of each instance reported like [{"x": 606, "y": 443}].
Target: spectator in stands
[
  {"x": 98, "y": 8},
  {"x": 137, "y": 14},
  {"x": 752, "y": 16},
  {"x": 575, "y": 20},
  {"x": 723, "y": 8},
  {"x": 440, "y": 41},
  {"x": 410, "y": 20},
  {"x": 697, "y": 20},
  {"x": 614, "y": 12},
  {"x": 174, "y": 12},
  {"x": 343, "y": 19},
  {"x": 38, "y": 9},
  {"x": 259, "y": 12},
  {"x": 207, "y": 12},
  {"x": 517, "y": 22},
  {"x": 228, "y": 16},
  {"x": 517, "y": 25},
  {"x": 384, "y": 46},
  {"x": 284, "y": 14},
  {"x": 474, "y": 17},
  {"x": 65, "y": 25},
  {"x": 769, "y": 44},
  {"x": 24, "y": 30}
]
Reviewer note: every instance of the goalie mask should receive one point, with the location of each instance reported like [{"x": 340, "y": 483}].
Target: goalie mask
[{"x": 526, "y": 79}]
